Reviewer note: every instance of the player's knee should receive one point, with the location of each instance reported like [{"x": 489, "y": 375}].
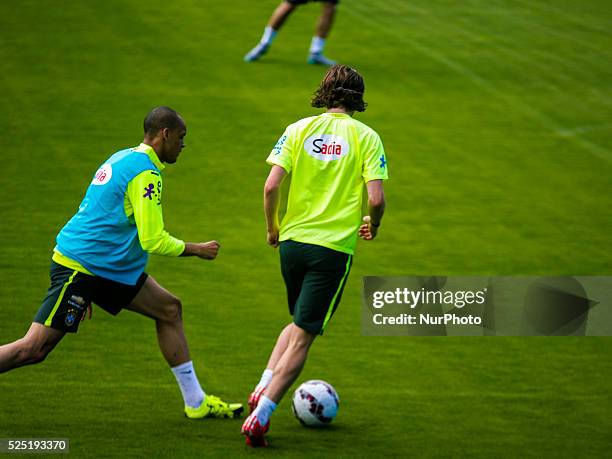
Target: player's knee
[
  {"x": 300, "y": 339},
  {"x": 300, "y": 343},
  {"x": 173, "y": 311}
]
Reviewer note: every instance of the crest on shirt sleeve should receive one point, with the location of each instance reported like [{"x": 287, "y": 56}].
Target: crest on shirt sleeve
[
  {"x": 103, "y": 175},
  {"x": 152, "y": 192},
  {"x": 278, "y": 148},
  {"x": 383, "y": 161}
]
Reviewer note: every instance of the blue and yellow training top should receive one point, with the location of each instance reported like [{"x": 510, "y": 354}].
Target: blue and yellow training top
[{"x": 120, "y": 220}]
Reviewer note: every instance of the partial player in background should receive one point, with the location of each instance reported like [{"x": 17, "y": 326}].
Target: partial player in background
[
  {"x": 101, "y": 255},
  {"x": 281, "y": 13},
  {"x": 331, "y": 158}
]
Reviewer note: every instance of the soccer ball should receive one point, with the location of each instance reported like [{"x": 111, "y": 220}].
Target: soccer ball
[{"x": 315, "y": 403}]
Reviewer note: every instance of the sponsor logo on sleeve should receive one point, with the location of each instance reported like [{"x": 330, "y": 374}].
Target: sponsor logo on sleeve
[
  {"x": 103, "y": 175},
  {"x": 326, "y": 147}
]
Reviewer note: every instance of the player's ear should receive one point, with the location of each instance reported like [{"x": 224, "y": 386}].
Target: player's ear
[{"x": 165, "y": 132}]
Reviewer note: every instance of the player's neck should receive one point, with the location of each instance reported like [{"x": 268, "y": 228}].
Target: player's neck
[
  {"x": 155, "y": 144},
  {"x": 340, "y": 110}
]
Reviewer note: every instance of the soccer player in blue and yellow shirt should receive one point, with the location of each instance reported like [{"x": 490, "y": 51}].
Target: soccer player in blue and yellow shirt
[
  {"x": 101, "y": 255},
  {"x": 331, "y": 158}
]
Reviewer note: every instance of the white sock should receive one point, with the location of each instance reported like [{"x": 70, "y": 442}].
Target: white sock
[
  {"x": 266, "y": 377},
  {"x": 316, "y": 45},
  {"x": 264, "y": 410},
  {"x": 189, "y": 384},
  {"x": 268, "y": 36}
]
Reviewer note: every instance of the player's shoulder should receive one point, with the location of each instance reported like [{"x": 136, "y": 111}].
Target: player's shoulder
[
  {"x": 119, "y": 156},
  {"x": 302, "y": 123},
  {"x": 364, "y": 129},
  {"x": 132, "y": 162}
]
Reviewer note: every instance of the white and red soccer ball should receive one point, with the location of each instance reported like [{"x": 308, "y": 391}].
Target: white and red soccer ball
[{"x": 315, "y": 403}]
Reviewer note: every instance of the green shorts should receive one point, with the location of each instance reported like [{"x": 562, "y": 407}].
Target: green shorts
[
  {"x": 315, "y": 277},
  {"x": 72, "y": 292}
]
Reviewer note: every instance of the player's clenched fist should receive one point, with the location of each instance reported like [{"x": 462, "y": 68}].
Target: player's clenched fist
[
  {"x": 367, "y": 231},
  {"x": 208, "y": 250}
]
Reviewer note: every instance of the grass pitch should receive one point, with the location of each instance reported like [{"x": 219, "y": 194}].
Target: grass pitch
[{"x": 496, "y": 117}]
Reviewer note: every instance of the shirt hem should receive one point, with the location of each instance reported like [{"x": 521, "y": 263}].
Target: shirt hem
[
  {"x": 274, "y": 163},
  {"x": 67, "y": 262},
  {"x": 369, "y": 179},
  {"x": 94, "y": 272},
  {"x": 328, "y": 245}
]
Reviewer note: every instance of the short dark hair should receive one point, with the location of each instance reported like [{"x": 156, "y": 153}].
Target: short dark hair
[
  {"x": 341, "y": 86},
  {"x": 161, "y": 118}
]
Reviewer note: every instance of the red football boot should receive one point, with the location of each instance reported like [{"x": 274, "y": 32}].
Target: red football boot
[{"x": 255, "y": 432}]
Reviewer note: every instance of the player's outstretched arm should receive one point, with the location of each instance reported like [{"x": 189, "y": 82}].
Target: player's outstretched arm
[
  {"x": 376, "y": 209},
  {"x": 149, "y": 220}
]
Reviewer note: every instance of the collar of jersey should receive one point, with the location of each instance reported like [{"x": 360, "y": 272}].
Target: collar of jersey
[
  {"x": 148, "y": 149},
  {"x": 335, "y": 114}
]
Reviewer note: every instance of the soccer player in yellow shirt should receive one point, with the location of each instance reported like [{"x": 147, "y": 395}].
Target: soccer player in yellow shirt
[{"x": 331, "y": 158}]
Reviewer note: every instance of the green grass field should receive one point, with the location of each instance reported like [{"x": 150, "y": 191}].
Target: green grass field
[{"x": 497, "y": 121}]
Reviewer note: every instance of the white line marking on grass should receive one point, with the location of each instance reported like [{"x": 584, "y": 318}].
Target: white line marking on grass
[
  {"x": 567, "y": 16},
  {"x": 544, "y": 120},
  {"x": 521, "y": 56},
  {"x": 534, "y": 58},
  {"x": 568, "y": 132},
  {"x": 512, "y": 16}
]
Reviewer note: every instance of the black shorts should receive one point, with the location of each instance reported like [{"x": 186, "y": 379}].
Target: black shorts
[
  {"x": 315, "y": 277},
  {"x": 303, "y": 2},
  {"x": 72, "y": 292}
]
